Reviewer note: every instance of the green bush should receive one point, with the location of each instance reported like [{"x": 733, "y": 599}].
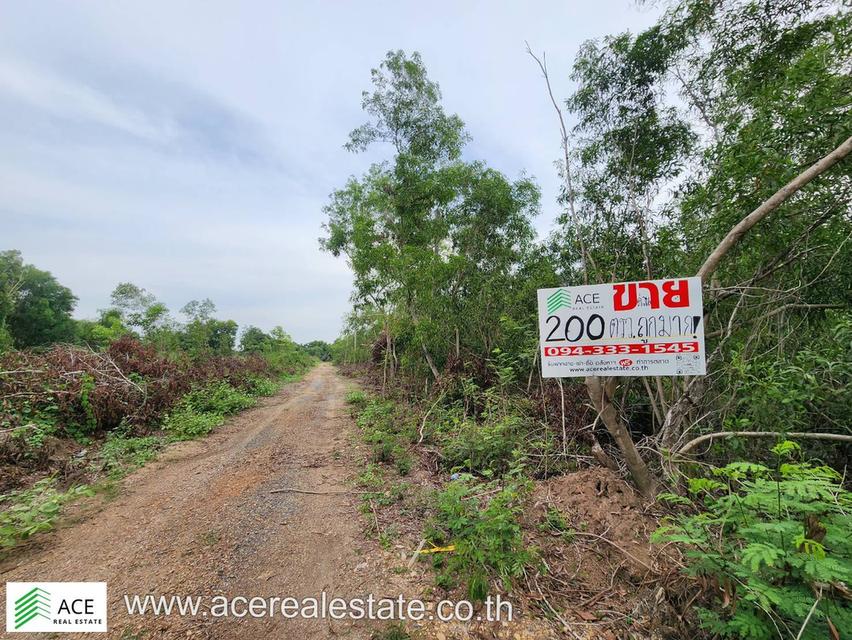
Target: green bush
[
  {"x": 372, "y": 477},
  {"x": 402, "y": 461},
  {"x": 487, "y": 449},
  {"x": 33, "y": 510},
  {"x": 774, "y": 541},
  {"x": 356, "y": 398},
  {"x": 121, "y": 454},
  {"x": 186, "y": 423},
  {"x": 377, "y": 414},
  {"x": 263, "y": 387},
  {"x": 34, "y": 434},
  {"x": 813, "y": 385},
  {"x": 283, "y": 356},
  {"x": 219, "y": 398},
  {"x": 487, "y": 537}
]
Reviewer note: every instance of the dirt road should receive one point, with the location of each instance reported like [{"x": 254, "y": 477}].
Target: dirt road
[{"x": 202, "y": 521}]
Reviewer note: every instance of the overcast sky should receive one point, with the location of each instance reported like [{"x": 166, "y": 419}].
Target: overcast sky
[{"x": 189, "y": 147}]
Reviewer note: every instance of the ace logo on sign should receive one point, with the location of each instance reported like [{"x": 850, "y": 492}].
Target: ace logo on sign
[
  {"x": 646, "y": 328},
  {"x": 56, "y": 606}
]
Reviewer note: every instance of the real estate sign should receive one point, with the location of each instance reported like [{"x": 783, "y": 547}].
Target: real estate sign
[{"x": 648, "y": 328}]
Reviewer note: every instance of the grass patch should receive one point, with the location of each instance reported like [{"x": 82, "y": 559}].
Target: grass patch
[
  {"x": 264, "y": 386},
  {"x": 356, "y": 398},
  {"x": 481, "y": 520},
  {"x": 382, "y": 428},
  {"x": 26, "y": 512},
  {"x": 372, "y": 477}
]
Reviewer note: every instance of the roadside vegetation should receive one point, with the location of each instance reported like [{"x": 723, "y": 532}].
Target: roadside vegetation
[
  {"x": 715, "y": 144},
  {"x": 83, "y": 403}
]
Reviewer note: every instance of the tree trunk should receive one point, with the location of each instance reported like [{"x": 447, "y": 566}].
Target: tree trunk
[
  {"x": 601, "y": 391},
  {"x": 430, "y": 362}
]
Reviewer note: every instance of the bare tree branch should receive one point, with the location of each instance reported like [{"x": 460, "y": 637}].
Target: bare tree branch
[
  {"x": 760, "y": 434},
  {"x": 770, "y": 205},
  {"x": 569, "y": 187}
]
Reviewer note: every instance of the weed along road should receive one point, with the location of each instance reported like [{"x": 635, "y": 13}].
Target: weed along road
[{"x": 203, "y": 520}]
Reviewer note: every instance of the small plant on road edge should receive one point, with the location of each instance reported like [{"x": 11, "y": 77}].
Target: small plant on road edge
[
  {"x": 379, "y": 422},
  {"x": 263, "y": 386},
  {"x": 34, "y": 510},
  {"x": 121, "y": 454},
  {"x": 486, "y": 533},
  {"x": 356, "y": 398},
  {"x": 203, "y": 409},
  {"x": 220, "y": 398}
]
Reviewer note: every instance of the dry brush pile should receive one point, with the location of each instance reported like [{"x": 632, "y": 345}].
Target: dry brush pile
[{"x": 72, "y": 391}]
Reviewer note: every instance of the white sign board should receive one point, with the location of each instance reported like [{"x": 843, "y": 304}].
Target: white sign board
[{"x": 650, "y": 328}]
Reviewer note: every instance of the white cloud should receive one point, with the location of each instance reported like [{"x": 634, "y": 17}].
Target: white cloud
[
  {"x": 48, "y": 92},
  {"x": 189, "y": 147}
]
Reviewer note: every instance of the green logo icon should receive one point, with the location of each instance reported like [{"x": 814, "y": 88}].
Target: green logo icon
[
  {"x": 558, "y": 299},
  {"x": 33, "y": 604}
]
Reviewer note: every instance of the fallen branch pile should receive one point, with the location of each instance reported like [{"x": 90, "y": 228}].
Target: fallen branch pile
[{"x": 91, "y": 391}]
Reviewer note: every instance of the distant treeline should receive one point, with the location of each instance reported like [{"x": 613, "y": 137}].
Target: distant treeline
[{"x": 35, "y": 311}]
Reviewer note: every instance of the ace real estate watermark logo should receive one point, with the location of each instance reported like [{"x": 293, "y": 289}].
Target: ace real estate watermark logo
[{"x": 56, "y": 606}]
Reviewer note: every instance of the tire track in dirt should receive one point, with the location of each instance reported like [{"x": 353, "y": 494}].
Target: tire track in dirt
[{"x": 202, "y": 521}]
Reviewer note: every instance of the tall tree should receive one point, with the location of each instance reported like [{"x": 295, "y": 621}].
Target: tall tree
[
  {"x": 432, "y": 240},
  {"x": 35, "y": 309},
  {"x": 138, "y": 308},
  {"x": 205, "y": 334}
]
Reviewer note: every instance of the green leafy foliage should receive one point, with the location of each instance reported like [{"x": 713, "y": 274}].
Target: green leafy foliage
[
  {"x": 34, "y": 510},
  {"x": 812, "y": 387},
  {"x": 185, "y": 423},
  {"x": 87, "y": 386},
  {"x": 258, "y": 386},
  {"x": 121, "y": 454},
  {"x": 318, "y": 349},
  {"x": 139, "y": 369},
  {"x": 35, "y": 433},
  {"x": 358, "y": 399},
  {"x": 382, "y": 427},
  {"x": 285, "y": 357},
  {"x": 488, "y": 449},
  {"x": 35, "y": 309},
  {"x": 219, "y": 398},
  {"x": 100, "y": 333},
  {"x": 432, "y": 240},
  {"x": 485, "y": 531},
  {"x": 775, "y": 540},
  {"x": 554, "y": 522}
]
